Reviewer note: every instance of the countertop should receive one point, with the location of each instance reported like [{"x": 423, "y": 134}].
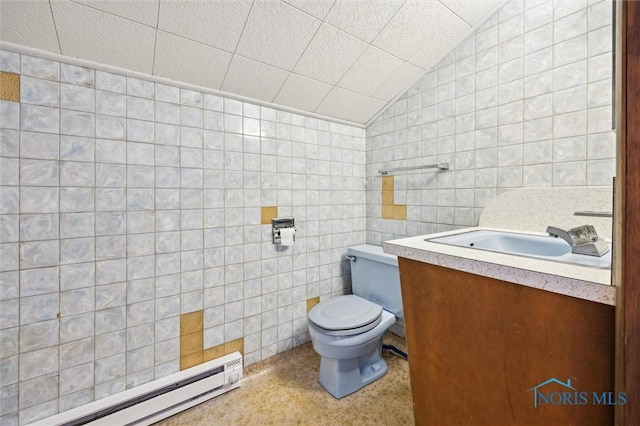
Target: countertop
[{"x": 571, "y": 280}]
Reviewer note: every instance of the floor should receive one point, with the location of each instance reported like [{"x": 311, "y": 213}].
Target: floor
[{"x": 284, "y": 390}]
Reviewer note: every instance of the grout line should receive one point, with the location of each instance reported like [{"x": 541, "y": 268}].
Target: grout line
[
  {"x": 55, "y": 27},
  {"x": 109, "y": 13},
  {"x": 155, "y": 42},
  {"x": 235, "y": 49},
  {"x": 322, "y": 21}
]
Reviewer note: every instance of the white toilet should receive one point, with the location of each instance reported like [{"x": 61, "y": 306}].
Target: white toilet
[{"x": 347, "y": 331}]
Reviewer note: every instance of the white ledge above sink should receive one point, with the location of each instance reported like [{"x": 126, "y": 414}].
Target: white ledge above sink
[{"x": 527, "y": 245}]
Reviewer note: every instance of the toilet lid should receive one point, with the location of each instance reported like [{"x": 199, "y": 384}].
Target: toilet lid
[{"x": 344, "y": 312}]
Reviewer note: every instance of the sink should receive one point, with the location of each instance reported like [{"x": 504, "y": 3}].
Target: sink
[{"x": 536, "y": 246}]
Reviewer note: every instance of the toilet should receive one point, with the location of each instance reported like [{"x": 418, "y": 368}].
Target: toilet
[{"x": 347, "y": 331}]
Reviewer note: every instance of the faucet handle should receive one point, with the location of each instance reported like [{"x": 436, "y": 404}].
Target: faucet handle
[
  {"x": 582, "y": 239},
  {"x": 583, "y": 234}
]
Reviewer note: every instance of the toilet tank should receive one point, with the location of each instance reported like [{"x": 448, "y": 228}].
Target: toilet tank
[{"x": 375, "y": 277}]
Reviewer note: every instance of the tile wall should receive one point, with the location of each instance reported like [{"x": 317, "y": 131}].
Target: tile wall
[
  {"x": 126, "y": 204},
  {"x": 524, "y": 101}
]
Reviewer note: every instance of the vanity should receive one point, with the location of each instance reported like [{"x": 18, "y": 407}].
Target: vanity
[{"x": 504, "y": 339}]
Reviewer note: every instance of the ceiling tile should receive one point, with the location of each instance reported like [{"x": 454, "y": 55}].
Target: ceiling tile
[
  {"x": 253, "y": 79},
  {"x": 143, "y": 11},
  {"x": 197, "y": 39},
  {"x": 440, "y": 43},
  {"x": 185, "y": 60},
  {"x": 317, "y": 8},
  {"x": 350, "y": 106},
  {"x": 330, "y": 54},
  {"x": 97, "y": 36},
  {"x": 276, "y": 34},
  {"x": 472, "y": 12},
  {"x": 364, "y": 19},
  {"x": 417, "y": 21},
  {"x": 370, "y": 71},
  {"x": 405, "y": 77},
  {"x": 29, "y": 24},
  {"x": 302, "y": 93},
  {"x": 216, "y": 23}
]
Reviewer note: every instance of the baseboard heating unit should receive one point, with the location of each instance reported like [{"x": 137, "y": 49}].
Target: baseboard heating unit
[{"x": 154, "y": 401}]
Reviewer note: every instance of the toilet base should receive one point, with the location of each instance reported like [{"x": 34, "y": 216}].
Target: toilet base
[{"x": 341, "y": 377}]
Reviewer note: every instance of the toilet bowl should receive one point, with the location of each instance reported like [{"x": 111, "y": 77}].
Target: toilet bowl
[{"x": 347, "y": 331}]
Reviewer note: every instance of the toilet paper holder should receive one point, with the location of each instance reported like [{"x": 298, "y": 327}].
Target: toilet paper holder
[{"x": 281, "y": 223}]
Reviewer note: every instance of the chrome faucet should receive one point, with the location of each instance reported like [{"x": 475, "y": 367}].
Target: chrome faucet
[
  {"x": 582, "y": 239},
  {"x": 560, "y": 233}
]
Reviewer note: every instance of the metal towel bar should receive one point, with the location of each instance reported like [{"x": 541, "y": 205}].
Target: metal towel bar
[
  {"x": 439, "y": 166},
  {"x": 593, "y": 213}
]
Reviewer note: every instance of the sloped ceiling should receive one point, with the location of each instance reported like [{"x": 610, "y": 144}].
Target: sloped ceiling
[{"x": 345, "y": 59}]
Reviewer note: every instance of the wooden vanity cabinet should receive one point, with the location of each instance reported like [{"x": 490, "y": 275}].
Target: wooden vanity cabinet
[{"x": 478, "y": 345}]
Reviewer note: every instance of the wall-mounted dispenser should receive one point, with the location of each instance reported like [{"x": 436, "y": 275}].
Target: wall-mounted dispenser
[{"x": 283, "y": 231}]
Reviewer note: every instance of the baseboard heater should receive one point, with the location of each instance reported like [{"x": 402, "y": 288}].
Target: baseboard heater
[{"x": 157, "y": 400}]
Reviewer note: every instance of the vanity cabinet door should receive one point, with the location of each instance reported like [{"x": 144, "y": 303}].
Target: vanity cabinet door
[{"x": 481, "y": 350}]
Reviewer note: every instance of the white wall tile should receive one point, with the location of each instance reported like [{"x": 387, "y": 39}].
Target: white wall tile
[
  {"x": 10, "y": 117},
  {"x": 571, "y": 50},
  {"x": 34, "y": 118},
  {"x": 570, "y": 26},
  {"x": 40, "y": 92},
  {"x": 77, "y": 98},
  {"x": 600, "y": 41},
  {"x": 77, "y": 123},
  {"x": 563, "y": 8},
  {"x": 39, "y": 335},
  {"x": 77, "y": 75},
  {"x": 110, "y": 82},
  {"x": 110, "y": 127},
  {"x": 75, "y": 250},
  {"x": 539, "y": 15},
  {"x": 599, "y": 119},
  {"x": 10, "y": 143},
  {"x": 40, "y": 68},
  {"x": 9, "y": 61},
  {"x": 569, "y": 149},
  {"x": 569, "y": 174},
  {"x": 537, "y": 175}
]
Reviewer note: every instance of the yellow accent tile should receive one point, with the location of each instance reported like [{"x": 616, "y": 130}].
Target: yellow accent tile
[
  {"x": 387, "y": 211},
  {"x": 234, "y": 345},
  {"x": 213, "y": 353},
  {"x": 268, "y": 213},
  {"x": 312, "y": 302},
  {"x": 192, "y": 360},
  {"x": 387, "y": 197},
  {"x": 191, "y": 322},
  {"x": 191, "y": 343},
  {"x": 387, "y": 183},
  {"x": 9, "y": 87},
  {"x": 400, "y": 212}
]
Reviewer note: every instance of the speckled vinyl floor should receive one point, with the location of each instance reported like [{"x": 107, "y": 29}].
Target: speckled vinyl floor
[{"x": 284, "y": 390}]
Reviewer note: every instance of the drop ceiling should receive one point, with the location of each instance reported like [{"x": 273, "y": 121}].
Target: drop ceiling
[{"x": 345, "y": 59}]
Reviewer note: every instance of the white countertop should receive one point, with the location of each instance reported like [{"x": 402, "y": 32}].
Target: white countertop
[{"x": 571, "y": 280}]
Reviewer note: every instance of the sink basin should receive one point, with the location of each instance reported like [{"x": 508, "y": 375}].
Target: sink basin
[{"x": 536, "y": 246}]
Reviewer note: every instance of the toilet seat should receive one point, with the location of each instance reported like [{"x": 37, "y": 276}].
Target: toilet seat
[{"x": 346, "y": 315}]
